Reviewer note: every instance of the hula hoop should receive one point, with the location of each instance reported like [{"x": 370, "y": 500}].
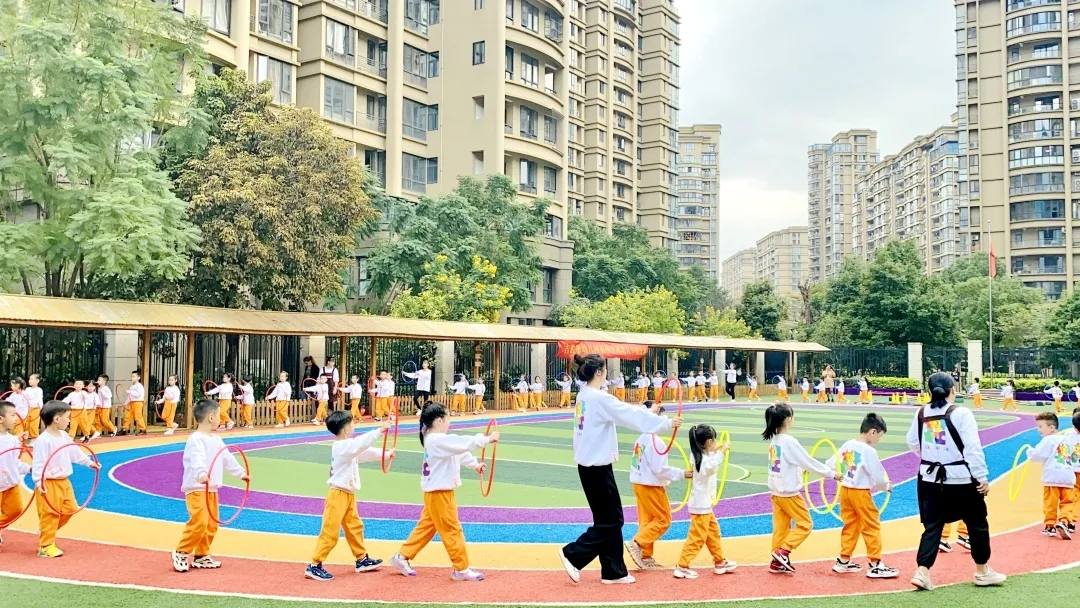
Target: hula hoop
[
  {"x": 725, "y": 437},
  {"x": 384, "y": 462},
  {"x": 563, "y": 377},
  {"x": 208, "y": 382},
  {"x": 118, "y": 389},
  {"x": 1014, "y": 488},
  {"x": 247, "y": 484},
  {"x": 485, "y": 491},
  {"x": 689, "y": 482},
  {"x": 56, "y": 396},
  {"x": 21, "y": 449},
  {"x": 5, "y": 395},
  {"x": 158, "y": 408},
  {"x": 304, "y": 384},
  {"x": 269, "y": 390},
  {"x": 888, "y": 495},
  {"x": 678, "y": 413},
  {"x": 405, "y": 379},
  {"x": 93, "y": 488},
  {"x": 827, "y": 507}
]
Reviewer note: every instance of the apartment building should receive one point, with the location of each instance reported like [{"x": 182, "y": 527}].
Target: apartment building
[
  {"x": 912, "y": 195},
  {"x": 697, "y": 219},
  {"x": 1018, "y": 82},
  {"x": 739, "y": 270},
  {"x": 832, "y": 172},
  {"x": 782, "y": 258}
]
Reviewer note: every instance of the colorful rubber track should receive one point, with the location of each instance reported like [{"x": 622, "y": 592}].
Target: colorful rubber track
[{"x": 125, "y": 535}]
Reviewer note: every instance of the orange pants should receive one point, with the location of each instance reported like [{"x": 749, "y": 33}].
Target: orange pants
[
  {"x": 861, "y": 518},
  {"x": 223, "y": 410},
  {"x": 977, "y": 400},
  {"x": 168, "y": 413},
  {"x": 961, "y": 530},
  {"x": 1057, "y": 406},
  {"x": 247, "y": 414},
  {"x": 864, "y": 397},
  {"x": 457, "y": 403},
  {"x": 752, "y": 395},
  {"x": 806, "y": 396},
  {"x": 703, "y": 531},
  {"x": 840, "y": 398},
  {"x": 339, "y": 513},
  {"x": 1076, "y": 503},
  {"x": 478, "y": 403},
  {"x": 201, "y": 529},
  {"x": 781, "y": 395},
  {"x": 62, "y": 496},
  {"x": 33, "y": 422},
  {"x": 75, "y": 426},
  {"x": 321, "y": 410},
  {"x": 1009, "y": 401},
  {"x": 1058, "y": 505},
  {"x": 658, "y": 395},
  {"x": 653, "y": 516},
  {"x": 12, "y": 504},
  {"x": 537, "y": 400},
  {"x": 702, "y": 392},
  {"x": 714, "y": 392},
  {"x": 620, "y": 393},
  {"x": 382, "y": 407},
  {"x": 564, "y": 399},
  {"x": 785, "y": 511},
  {"x": 281, "y": 410},
  {"x": 135, "y": 413},
  {"x": 439, "y": 516},
  {"x": 521, "y": 401},
  {"x": 822, "y": 397},
  {"x": 354, "y": 409},
  {"x": 103, "y": 423}
]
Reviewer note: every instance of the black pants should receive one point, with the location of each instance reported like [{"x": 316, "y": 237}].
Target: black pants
[
  {"x": 730, "y": 388},
  {"x": 419, "y": 398},
  {"x": 604, "y": 538},
  {"x": 941, "y": 504}
]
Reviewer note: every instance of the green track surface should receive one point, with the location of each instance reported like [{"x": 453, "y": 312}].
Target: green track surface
[
  {"x": 535, "y": 465},
  {"x": 1058, "y": 589}
]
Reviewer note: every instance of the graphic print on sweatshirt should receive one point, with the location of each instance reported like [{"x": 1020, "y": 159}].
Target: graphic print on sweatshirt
[
  {"x": 580, "y": 414},
  {"x": 427, "y": 469},
  {"x": 635, "y": 459},
  {"x": 934, "y": 433},
  {"x": 775, "y": 453},
  {"x": 849, "y": 463}
]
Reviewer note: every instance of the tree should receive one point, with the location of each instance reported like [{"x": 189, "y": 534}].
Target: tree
[
  {"x": 762, "y": 309},
  {"x": 478, "y": 218},
  {"x": 724, "y": 323},
  {"x": 82, "y": 82},
  {"x": 446, "y": 295},
  {"x": 1019, "y": 312},
  {"x": 1063, "y": 326},
  {"x": 653, "y": 310},
  {"x": 977, "y": 265}
]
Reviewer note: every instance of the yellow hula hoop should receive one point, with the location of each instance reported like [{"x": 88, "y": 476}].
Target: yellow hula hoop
[
  {"x": 689, "y": 482},
  {"x": 826, "y": 507},
  {"x": 725, "y": 437},
  {"x": 888, "y": 495},
  {"x": 1014, "y": 488}
]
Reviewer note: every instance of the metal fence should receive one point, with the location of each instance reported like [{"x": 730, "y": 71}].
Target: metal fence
[
  {"x": 1033, "y": 362},
  {"x": 60, "y": 356},
  {"x": 855, "y": 361}
]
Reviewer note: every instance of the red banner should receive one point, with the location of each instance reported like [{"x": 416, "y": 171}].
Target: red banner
[{"x": 569, "y": 348}]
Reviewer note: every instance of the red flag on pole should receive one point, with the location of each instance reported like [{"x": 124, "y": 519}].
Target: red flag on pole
[{"x": 993, "y": 261}]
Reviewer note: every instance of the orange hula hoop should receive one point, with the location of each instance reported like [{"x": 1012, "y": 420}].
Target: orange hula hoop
[
  {"x": 247, "y": 484},
  {"x": 304, "y": 384},
  {"x": 678, "y": 413},
  {"x": 158, "y": 409},
  {"x": 206, "y": 383},
  {"x": 93, "y": 488},
  {"x": 5, "y": 395},
  {"x": 56, "y": 395},
  {"x": 384, "y": 462},
  {"x": 27, "y": 450},
  {"x": 485, "y": 491}
]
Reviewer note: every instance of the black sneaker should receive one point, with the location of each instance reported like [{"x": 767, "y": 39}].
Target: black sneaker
[
  {"x": 367, "y": 564},
  {"x": 944, "y": 547},
  {"x": 1063, "y": 531},
  {"x": 964, "y": 542},
  {"x": 880, "y": 570},
  {"x": 1049, "y": 531},
  {"x": 848, "y": 567},
  {"x": 316, "y": 573}
]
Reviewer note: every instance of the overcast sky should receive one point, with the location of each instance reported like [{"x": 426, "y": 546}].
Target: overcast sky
[{"x": 779, "y": 75}]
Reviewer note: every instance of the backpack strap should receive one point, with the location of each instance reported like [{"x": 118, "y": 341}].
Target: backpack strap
[{"x": 952, "y": 429}]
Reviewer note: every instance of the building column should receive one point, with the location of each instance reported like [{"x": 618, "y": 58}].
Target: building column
[
  {"x": 122, "y": 354},
  {"x": 759, "y": 367},
  {"x": 613, "y": 365},
  {"x": 975, "y": 361},
  {"x": 315, "y": 346},
  {"x": 538, "y": 361},
  {"x": 719, "y": 358},
  {"x": 672, "y": 363},
  {"x": 444, "y": 366},
  {"x": 915, "y": 361}
]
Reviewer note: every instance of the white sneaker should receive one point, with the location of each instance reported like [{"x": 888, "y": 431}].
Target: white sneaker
[
  {"x": 402, "y": 565},
  {"x": 626, "y": 580},
  {"x": 847, "y": 567},
  {"x": 683, "y": 573},
  {"x": 288, "y": 422},
  {"x": 880, "y": 570},
  {"x": 180, "y": 561},
  {"x": 989, "y": 578},
  {"x": 168, "y": 431},
  {"x": 206, "y": 562},
  {"x": 279, "y": 426},
  {"x": 922, "y": 581},
  {"x": 174, "y": 426},
  {"x": 724, "y": 567},
  {"x": 635, "y": 553},
  {"x": 571, "y": 571},
  {"x": 230, "y": 425},
  {"x": 467, "y": 574},
  {"x": 95, "y": 435}
]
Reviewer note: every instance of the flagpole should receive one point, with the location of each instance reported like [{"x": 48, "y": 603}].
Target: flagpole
[{"x": 990, "y": 292}]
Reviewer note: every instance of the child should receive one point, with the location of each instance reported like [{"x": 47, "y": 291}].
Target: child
[
  {"x": 962, "y": 538},
  {"x": 620, "y": 386},
  {"x": 537, "y": 396},
  {"x": 54, "y": 483},
  {"x": 822, "y": 393},
  {"x": 339, "y": 512},
  {"x": 704, "y": 529},
  {"x": 787, "y": 459},
  {"x": 862, "y": 471},
  {"x": 37, "y": 399},
  {"x": 641, "y": 390},
  {"x": 752, "y": 394},
  {"x": 224, "y": 391},
  {"x": 76, "y": 401},
  {"x": 521, "y": 396},
  {"x": 1055, "y": 392},
  {"x": 135, "y": 406},
  {"x": 384, "y": 393},
  {"x": 840, "y": 398},
  {"x": 320, "y": 392},
  {"x": 201, "y": 447},
  {"x": 658, "y": 388},
  {"x": 281, "y": 395},
  {"x": 168, "y": 402},
  {"x": 12, "y": 470},
  {"x": 976, "y": 394},
  {"x": 104, "y": 423},
  {"x": 247, "y": 403},
  {"x": 564, "y": 392},
  {"x": 864, "y": 392},
  {"x": 691, "y": 387},
  {"x": 477, "y": 387},
  {"x": 444, "y": 455},
  {"x": 805, "y": 388},
  {"x": 671, "y": 385},
  {"x": 1057, "y": 477},
  {"x": 649, "y": 477},
  {"x": 1008, "y": 394},
  {"x": 457, "y": 405},
  {"x": 781, "y": 390},
  {"x": 701, "y": 380},
  {"x": 21, "y": 403},
  {"x": 1072, "y": 442},
  {"x": 93, "y": 402},
  {"x": 714, "y": 386},
  {"x": 354, "y": 393}
]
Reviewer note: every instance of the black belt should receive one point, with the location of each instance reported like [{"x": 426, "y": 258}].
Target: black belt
[{"x": 937, "y": 469}]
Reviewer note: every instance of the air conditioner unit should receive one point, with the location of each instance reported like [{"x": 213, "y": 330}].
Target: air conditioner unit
[{"x": 1076, "y": 184}]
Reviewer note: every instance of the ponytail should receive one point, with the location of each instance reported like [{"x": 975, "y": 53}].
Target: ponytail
[
  {"x": 941, "y": 386},
  {"x": 775, "y": 415},
  {"x": 699, "y": 434},
  {"x": 588, "y": 366},
  {"x": 432, "y": 411}
]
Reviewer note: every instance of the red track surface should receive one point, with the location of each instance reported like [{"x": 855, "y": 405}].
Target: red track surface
[{"x": 1016, "y": 552}]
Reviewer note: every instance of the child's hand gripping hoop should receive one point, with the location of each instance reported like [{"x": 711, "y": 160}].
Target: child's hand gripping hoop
[
  {"x": 247, "y": 484},
  {"x": 563, "y": 377},
  {"x": 22, "y": 450},
  {"x": 56, "y": 396},
  {"x": 387, "y": 462},
  {"x": 827, "y": 507},
  {"x": 678, "y": 414},
  {"x": 306, "y": 383},
  {"x": 207, "y": 385},
  {"x": 1016, "y": 482},
  {"x": 97, "y": 475},
  {"x": 269, "y": 391},
  {"x": 405, "y": 379},
  {"x": 158, "y": 407},
  {"x": 725, "y": 438},
  {"x": 888, "y": 495},
  {"x": 492, "y": 425},
  {"x": 689, "y": 482}
]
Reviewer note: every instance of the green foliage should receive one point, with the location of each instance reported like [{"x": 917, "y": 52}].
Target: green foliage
[
  {"x": 446, "y": 296},
  {"x": 1020, "y": 313},
  {"x": 81, "y": 83},
  {"x": 762, "y": 310},
  {"x": 653, "y": 310},
  {"x": 1063, "y": 325},
  {"x": 479, "y": 218},
  {"x": 725, "y": 323},
  {"x": 1026, "y": 385},
  {"x": 892, "y": 383}
]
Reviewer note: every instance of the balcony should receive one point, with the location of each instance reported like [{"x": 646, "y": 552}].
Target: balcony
[
  {"x": 1030, "y": 135},
  {"x": 553, "y": 30},
  {"x": 626, "y": 6},
  {"x": 372, "y": 123},
  {"x": 1041, "y": 269},
  {"x": 1036, "y": 189},
  {"x": 1054, "y": 53},
  {"x": 1035, "y": 243},
  {"x": 368, "y": 66},
  {"x": 412, "y": 185},
  {"x": 1035, "y": 82},
  {"x": 1038, "y": 109},
  {"x": 527, "y": 188},
  {"x": 1017, "y": 5},
  {"x": 369, "y": 9},
  {"x": 528, "y": 135},
  {"x": 415, "y": 26},
  {"x": 1033, "y": 29},
  {"x": 416, "y": 79}
]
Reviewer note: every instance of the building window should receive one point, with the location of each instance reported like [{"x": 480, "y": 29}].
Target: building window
[
  {"x": 277, "y": 72},
  {"x": 530, "y": 17},
  {"x": 478, "y": 107},
  {"x": 419, "y": 66},
  {"x": 527, "y": 176},
  {"x": 338, "y": 100},
  {"x": 620, "y": 191},
  {"x": 417, "y": 172},
  {"x": 478, "y": 52},
  {"x": 553, "y": 226},
  {"x": 361, "y": 276},
  {"x": 276, "y": 20},
  {"x": 509, "y": 59},
  {"x": 340, "y": 42},
  {"x": 530, "y": 70},
  {"x": 529, "y": 120},
  {"x": 418, "y": 119},
  {"x": 551, "y": 175},
  {"x": 509, "y": 11},
  {"x": 218, "y": 14},
  {"x": 549, "y": 285},
  {"x": 551, "y": 129},
  {"x": 478, "y": 162}
]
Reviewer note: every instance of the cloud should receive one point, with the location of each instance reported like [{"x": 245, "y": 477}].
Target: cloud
[{"x": 750, "y": 209}]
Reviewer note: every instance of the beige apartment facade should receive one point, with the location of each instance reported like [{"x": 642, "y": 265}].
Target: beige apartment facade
[
  {"x": 912, "y": 195},
  {"x": 738, "y": 270},
  {"x": 1018, "y": 101},
  {"x": 833, "y": 169},
  {"x": 782, "y": 259},
  {"x": 697, "y": 219}
]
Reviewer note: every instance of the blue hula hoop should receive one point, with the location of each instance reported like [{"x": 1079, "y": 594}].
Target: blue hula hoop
[{"x": 405, "y": 379}]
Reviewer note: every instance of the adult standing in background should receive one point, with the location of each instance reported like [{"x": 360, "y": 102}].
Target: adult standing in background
[
  {"x": 333, "y": 378},
  {"x": 423, "y": 383},
  {"x": 310, "y": 369},
  {"x": 829, "y": 377},
  {"x": 731, "y": 375}
]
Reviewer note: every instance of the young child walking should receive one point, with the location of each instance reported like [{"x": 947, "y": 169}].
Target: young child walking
[
  {"x": 224, "y": 392},
  {"x": 649, "y": 478},
  {"x": 704, "y": 529},
  {"x": 76, "y": 401},
  {"x": 477, "y": 388},
  {"x": 320, "y": 392},
  {"x": 459, "y": 404},
  {"x": 201, "y": 448},
  {"x": 1057, "y": 477},
  {"x": 12, "y": 469},
  {"x": 658, "y": 388},
  {"x": 21, "y": 403},
  {"x": 247, "y": 403},
  {"x": 384, "y": 394},
  {"x": 620, "y": 386},
  {"x": 862, "y": 471},
  {"x": 752, "y": 395},
  {"x": 135, "y": 406},
  {"x": 865, "y": 398},
  {"x": 339, "y": 512},
  {"x": 976, "y": 394},
  {"x": 701, "y": 381},
  {"x": 280, "y": 397},
  {"x": 1056, "y": 393},
  {"x": 564, "y": 391},
  {"x": 104, "y": 423},
  {"x": 521, "y": 394},
  {"x": 93, "y": 404},
  {"x": 36, "y": 397},
  {"x": 714, "y": 386},
  {"x": 54, "y": 483},
  {"x": 536, "y": 396},
  {"x": 962, "y": 538},
  {"x": 444, "y": 455},
  {"x": 840, "y": 397},
  {"x": 781, "y": 390},
  {"x": 804, "y": 386},
  {"x": 1008, "y": 396},
  {"x": 169, "y": 398},
  {"x": 787, "y": 460},
  {"x": 354, "y": 393}
]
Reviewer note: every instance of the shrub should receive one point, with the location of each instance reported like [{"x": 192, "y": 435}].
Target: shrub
[
  {"x": 1026, "y": 385},
  {"x": 892, "y": 382}
]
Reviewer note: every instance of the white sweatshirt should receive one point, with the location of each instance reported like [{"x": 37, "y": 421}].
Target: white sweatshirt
[
  {"x": 522, "y": 387},
  {"x": 1006, "y": 392},
  {"x": 21, "y": 403},
  {"x": 595, "y": 440},
  {"x": 35, "y": 396},
  {"x": 1055, "y": 392},
  {"x": 76, "y": 399},
  {"x": 320, "y": 392},
  {"x": 444, "y": 455},
  {"x": 59, "y": 465},
  {"x": 1055, "y": 455},
  {"x": 862, "y": 386},
  {"x": 805, "y": 386},
  {"x": 564, "y": 386},
  {"x": 247, "y": 394},
  {"x": 422, "y": 377},
  {"x": 354, "y": 391},
  {"x": 92, "y": 400},
  {"x": 657, "y": 382},
  {"x": 385, "y": 389},
  {"x": 105, "y": 396},
  {"x": 536, "y": 387},
  {"x": 1072, "y": 444},
  {"x": 860, "y": 466},
  {"x": 691, "y": 381},
  {"x": 282, "y": 392},
  {"x": 460, "y": 387},
  {"x": 12, "y": 470},
  {"x": 199, "y": 450},
  {"x": 781, "y": 385},
  {"x": 973, "y": 389},
  {"x": 730, "y": 375},
  {"x": 619, "y": 382},
  {"x": 172, "y": 395},
  {"x": 224, "y": 391},
  {"x": 938, "y": 445},
  {"x": 714, "y": 380},
  {"x": 346, "y": 456},
  {"x": 701, "y": 380},
  {"x": 477, "y": 389},
  {"x": 703, "y": 485},
  {"x": 787, "y": 460},
  {"x": 647, "y": 468},
  {"x": 136, "y": 392}
]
